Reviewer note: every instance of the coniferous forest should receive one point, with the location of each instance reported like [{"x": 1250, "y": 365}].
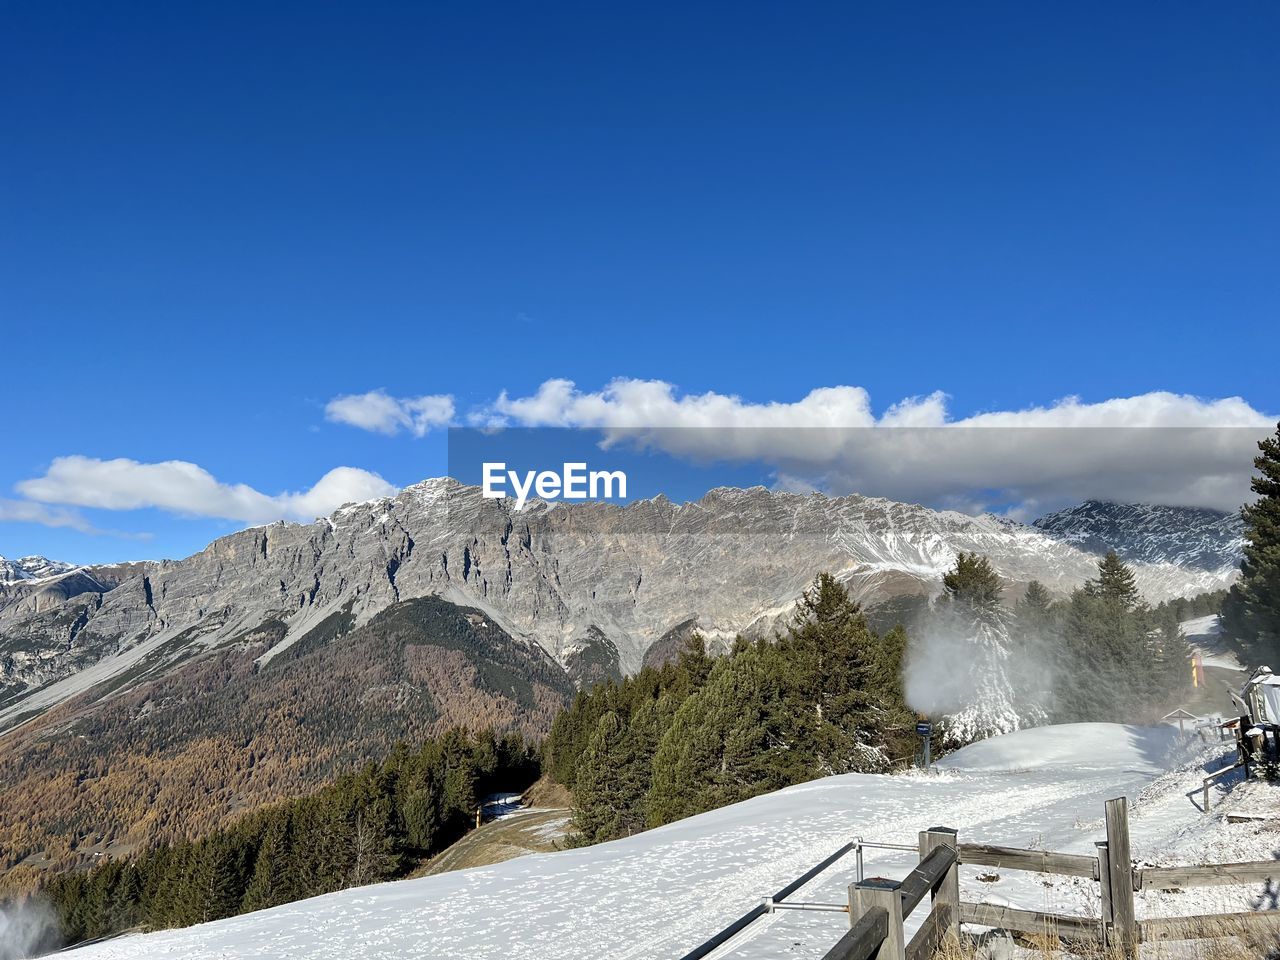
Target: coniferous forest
[
  {"x": 827, "y": 697},
  {"x": 372, "y": 825}
]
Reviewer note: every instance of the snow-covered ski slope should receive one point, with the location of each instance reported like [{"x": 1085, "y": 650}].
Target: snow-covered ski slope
[{"x": 658, "y": 894}]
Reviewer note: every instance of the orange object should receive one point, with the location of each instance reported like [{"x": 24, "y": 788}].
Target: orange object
[{"x": 1197, "y": 670}]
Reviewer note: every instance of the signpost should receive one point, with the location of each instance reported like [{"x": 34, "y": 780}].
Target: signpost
[{"x": 925, "y": 729}]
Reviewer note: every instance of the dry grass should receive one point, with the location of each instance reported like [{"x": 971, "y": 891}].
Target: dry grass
[{"x": 1228, "y": 939}]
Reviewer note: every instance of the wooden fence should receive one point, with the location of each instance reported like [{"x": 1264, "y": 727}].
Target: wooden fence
[{"x": 878, "y": 908}]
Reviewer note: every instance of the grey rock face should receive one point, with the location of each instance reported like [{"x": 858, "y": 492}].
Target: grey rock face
[
  {"x": 22, "y": 596},
  {"x": 589, "y": 582}
]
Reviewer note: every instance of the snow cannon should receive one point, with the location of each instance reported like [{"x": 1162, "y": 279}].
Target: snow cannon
[{"x": 1259, "y": 730}]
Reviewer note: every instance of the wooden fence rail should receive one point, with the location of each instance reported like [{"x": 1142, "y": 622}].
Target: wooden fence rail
[
  {"x": 1208, "y": 926},
  {"x": 1032, "y": 922},
  {"x": 1206, "y": 875},
  {"x": 1039, "y": 861},
  {"x": 878, "y": 907}
]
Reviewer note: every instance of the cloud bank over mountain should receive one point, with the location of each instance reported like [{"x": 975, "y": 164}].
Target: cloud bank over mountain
[{"x": 1156, "y": 447}]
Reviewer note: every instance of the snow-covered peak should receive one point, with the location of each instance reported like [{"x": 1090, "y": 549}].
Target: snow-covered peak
[
  {"x": 1145, "y": 533},
  {"x": 32, "y": 568}
]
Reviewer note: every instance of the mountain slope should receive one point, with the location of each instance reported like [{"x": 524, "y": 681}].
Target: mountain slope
[
  {"x": 1189, "y": 537},
  {"x": 190, "y": 737}
]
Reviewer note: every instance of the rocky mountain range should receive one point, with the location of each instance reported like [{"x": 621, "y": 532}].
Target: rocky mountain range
[
  {"x": 150, "y": 700},
  {"x": 594, "y": 585}
]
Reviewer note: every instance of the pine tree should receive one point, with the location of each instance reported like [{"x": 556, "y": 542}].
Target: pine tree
[
  {"x": 1252, "y": 610},
  {"x": 1033, "y": 615},
  {"x": 217, "y": 879},
  {"x": 737, "y": 737},
  {"x": 843, "y": 678},
  {"x": 613, "y": 776},
  {"x": 1113, "y": 667},
  {"x": 1115, "y": 582},
  {"x": 972, "y": 582},
  {"x": 268, "y": 882},
  {"x": 971, "y": 628},
  {"x": 421, "y": 812}
]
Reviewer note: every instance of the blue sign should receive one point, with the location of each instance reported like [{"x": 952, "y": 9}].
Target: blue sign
[{"x": 924, "y": 729}]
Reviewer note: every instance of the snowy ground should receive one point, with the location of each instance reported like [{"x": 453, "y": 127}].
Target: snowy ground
[
  {"x": 661, "y": 893},
  {"x": 1204, "y": 635}
]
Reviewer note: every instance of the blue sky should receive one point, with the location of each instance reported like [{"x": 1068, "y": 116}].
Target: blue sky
[{"x": 220, "y": 217}]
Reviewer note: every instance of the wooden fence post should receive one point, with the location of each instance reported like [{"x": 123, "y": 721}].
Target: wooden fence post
[
  {"x": 885, "y": 894},
  {"x": 1120, "y": 869},
  {"x": 1104, "y": 881},
  {"x": 947, "y": 896}
]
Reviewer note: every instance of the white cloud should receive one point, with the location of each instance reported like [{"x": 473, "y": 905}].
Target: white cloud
[
  {"x": 185, "y": 488},
  {"x": 378, "y": 412},
  {"x": 1155, "y": 447},
  {"x": 24, "y": 511}
]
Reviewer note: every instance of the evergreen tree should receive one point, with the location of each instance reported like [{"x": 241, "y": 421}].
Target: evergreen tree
[
  {"x": 613, "y": 776},
  {"x": 267, "y": 884},
  {"x": 737, "y": 737},
  {"x": 1120, "y": 662},
  {"x": 1252, "y": 610},
  {"x": 1034, "y": 613},
  {"x": 970, "y": 631},
  {"x": 844, "y": 680},
  {"x": 972, "y": 582},
  {"x": 216, "y": 879},
  {"x": 828, "y": 646},
  {"x": 421, "y": 812},
  {"x": 1115, "y": 583}
]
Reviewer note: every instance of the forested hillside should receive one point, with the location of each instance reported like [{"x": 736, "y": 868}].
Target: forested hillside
[
  {"x": 833, "y": 696},
  {"x": 698, "y": 733},
  {"x": 174, "y": 757},
  {"x": 373, "y": 825}
]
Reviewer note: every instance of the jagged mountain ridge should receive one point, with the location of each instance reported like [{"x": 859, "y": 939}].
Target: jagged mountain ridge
[
  {"x": 1192, "y": 537},
  {"x": 594, "y": 584}
]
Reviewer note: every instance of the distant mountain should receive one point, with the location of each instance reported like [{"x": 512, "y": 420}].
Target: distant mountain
[
  {"x": 1190, "y": 537},
  {"x": 31, "y": 568}
]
